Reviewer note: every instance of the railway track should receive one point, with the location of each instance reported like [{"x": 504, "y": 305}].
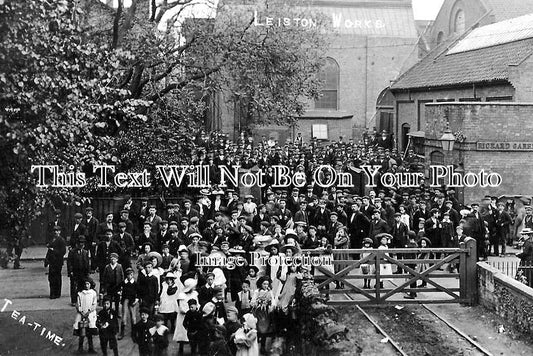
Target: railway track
[{"x": 397, "y": 346}]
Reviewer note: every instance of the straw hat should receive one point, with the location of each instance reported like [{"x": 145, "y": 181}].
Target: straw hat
[{"x": 189, "y": 284}]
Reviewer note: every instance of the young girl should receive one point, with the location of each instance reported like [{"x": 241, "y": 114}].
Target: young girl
[
  {"x": 168, "y": 300},
  {"x": 263, "y": 304},
  {"x": 365, "y": 267},
  {"x": 384, "y": 268},
  {"x": 86, "y": 308},
  {"x": 246, "y": 337}
]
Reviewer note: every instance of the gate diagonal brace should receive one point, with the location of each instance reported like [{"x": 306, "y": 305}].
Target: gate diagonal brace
[
  {"x": 353, "y": 287},
  {"x": 420, "y": 276},
  {"x": 338, "y": 276}
]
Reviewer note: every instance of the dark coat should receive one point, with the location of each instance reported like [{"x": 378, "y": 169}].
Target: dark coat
[
  {"x": 108, "y": 316},
  {"x": 399, "y": 235},
  {"x": 56, "y": 252},
  {"x": 78, "y": 263},
  {"x": 103, "y": 251}
]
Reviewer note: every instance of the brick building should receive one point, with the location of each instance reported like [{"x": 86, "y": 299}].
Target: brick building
[
  {"x": 374, "y": 42},
  {"x": 457, "y": 16},
  {"x": 481, "y": 84}
]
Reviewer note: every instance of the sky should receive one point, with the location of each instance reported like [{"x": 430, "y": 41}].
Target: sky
[{"x": 426, "y": 9}]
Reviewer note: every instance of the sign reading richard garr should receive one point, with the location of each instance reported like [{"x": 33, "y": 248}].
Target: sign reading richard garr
[{"x": 504, "y": 146}]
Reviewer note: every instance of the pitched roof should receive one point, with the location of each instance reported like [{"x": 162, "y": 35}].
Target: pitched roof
[
  {"x": 483, "y": 65},
  {"x": 511, "y": 30},
  {"x": 507, "y": 9}
]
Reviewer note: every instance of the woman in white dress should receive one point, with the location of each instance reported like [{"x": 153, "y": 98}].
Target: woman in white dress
[{"x": 188, "y": 292}]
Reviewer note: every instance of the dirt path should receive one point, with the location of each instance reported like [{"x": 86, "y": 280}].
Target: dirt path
[{"x": 418, "y": 332}]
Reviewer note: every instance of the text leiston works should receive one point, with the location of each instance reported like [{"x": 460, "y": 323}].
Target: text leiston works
[{"x": 199, "y": 176}]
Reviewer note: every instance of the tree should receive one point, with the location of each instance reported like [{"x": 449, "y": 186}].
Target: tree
[
  {"x": 60, "y": 101},
  {"x": 80, "y": 82}
]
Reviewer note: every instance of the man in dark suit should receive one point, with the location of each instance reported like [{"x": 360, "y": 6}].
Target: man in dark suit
[
  {"x": 51, "y": 225},
  {"x": 112, "y": 279},
  {"x": 79, "y": 230},
  {"x": 146, "y": 236},
  {"x": 188, "y": 211},
  {"x": 108, "y": 224},
  {"x": 92, "y": 235},
  {"x": 293, "y": 202},
  {"x": 125, "y": 218},
  {"x": 283, "y": 213},
  {"x": 475, "y": 227},
  {"x": 126, "y": 243},
  {"x": 503, "y": 220},
  {"x": 333, "y": 227},
  {"x": 321, "y": 218},
  {"x": 78, "y": 266},
  {"x": 302, "y": 215},
  {"x": 377, "y": 226},
  {"x": 358, "y": 226},
  {"x": 421, "y": 213},
  {"x": 105, "y": 248},
  {"x": 154, "y": 219},
  {"x": 433, "y": 229},
  {"x": 399, "y": 232},
  {"x": 54, "y": 259},
  {"x": 366, "y": 208}
]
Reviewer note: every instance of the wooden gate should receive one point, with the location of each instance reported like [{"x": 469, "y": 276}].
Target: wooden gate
[{"x": 426, "y": 266}]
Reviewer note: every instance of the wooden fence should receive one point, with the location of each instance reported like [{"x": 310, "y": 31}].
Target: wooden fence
[{"x": 464, "y": 258}]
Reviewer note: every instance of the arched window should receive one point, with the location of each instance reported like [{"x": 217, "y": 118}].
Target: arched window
[
  {"x": 459, "y": 22},
  {"x": 436, "y": 158},
  {"x": 440, "y": 37},
  {"x": 330, "y": 91}
]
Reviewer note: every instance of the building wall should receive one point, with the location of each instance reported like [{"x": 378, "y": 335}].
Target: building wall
[
  {"x": 410, "y": 106},
  {"x": 473, "y": 10},
  {"x": 480, "y": 122}
]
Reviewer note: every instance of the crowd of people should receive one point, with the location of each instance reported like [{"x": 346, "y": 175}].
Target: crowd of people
[{"x": 153, "y": 279}]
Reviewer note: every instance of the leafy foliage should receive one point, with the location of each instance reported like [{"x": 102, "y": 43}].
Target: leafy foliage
[{"x": 81, "y": 83}]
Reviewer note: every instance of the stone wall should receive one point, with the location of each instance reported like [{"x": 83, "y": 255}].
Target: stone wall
[{"x": 509, "y": 298}]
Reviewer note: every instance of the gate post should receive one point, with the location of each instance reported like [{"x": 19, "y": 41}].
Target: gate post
[{"x": 468, "y": 271}]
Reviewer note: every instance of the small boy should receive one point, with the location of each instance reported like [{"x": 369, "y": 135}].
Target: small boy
[
  {"x": 107, "y": 323},
  {"x": 129, "y": 299},
  {"x": 411, "y": 235},
  {"x": 167, "y": 257},
  {"x": 447, "y": 231},
  {"x": 141, "y": 333},
  {"x": 192, "y": 322},
  {"x": 365, "y": 267},
  {"x": 159, "y": 334},
  {"x": 244, "y": 298}
]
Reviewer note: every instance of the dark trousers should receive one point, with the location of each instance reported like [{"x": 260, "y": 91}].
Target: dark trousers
[
  {"x": 144, "y": 350},
  {"x": 170, "y": 317},
  {"x": 54, "y": 280},
  {"x": 92, "y": 250},
  {"x": 112, "y": 341}
]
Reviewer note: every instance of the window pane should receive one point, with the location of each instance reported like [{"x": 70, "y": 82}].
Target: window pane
[
  {"x": 328, "y": 100},
  {"x": 320, "y": 131},
  {"x": 330, "y": 77}
]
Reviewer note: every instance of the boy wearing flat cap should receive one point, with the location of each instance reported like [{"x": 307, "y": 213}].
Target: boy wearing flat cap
[{"x": 112, "y": 280}]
